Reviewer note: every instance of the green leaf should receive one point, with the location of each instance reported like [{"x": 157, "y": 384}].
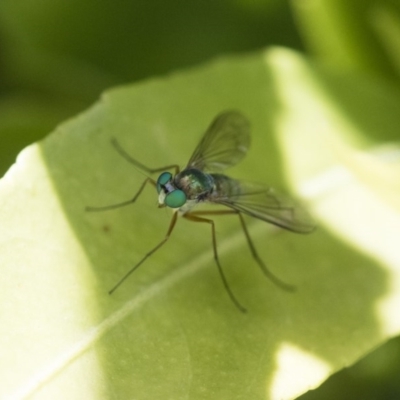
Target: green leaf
[{"x": 171, "y": 332}]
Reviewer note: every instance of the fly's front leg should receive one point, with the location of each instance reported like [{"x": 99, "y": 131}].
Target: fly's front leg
[
  {"x": 194, "y": 216},
  {"x": 124, "y": 203},
  {"x": 148, "y": 254},
  {"x": 138, "y": 164}
]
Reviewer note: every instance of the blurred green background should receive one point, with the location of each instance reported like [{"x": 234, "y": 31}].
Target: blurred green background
[{"x": 57, "y": 57}]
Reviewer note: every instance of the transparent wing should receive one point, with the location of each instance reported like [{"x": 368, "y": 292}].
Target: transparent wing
[
  {"x": 264, "y": 203},
  {"x": 224, "y": 144}
]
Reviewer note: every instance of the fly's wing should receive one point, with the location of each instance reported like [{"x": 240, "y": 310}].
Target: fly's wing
[
  {"x": 224, "y": 144},
  {"x": 264, "y": 203}
]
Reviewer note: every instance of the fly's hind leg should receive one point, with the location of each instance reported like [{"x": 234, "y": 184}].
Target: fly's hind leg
[
  {"x": 283, "y": 285},
  {"x": 267, "y": 272}
]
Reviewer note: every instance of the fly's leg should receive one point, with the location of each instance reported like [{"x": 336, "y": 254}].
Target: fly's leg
[
  {"x": 124, "y": 203},
  {"x": 139, "y": 165},
  {"x": 147, "y": 255},
  {"x": 267, "y": 272},
  {"x": 264, "y": 269},
  {"x": 194, "y": 217}
]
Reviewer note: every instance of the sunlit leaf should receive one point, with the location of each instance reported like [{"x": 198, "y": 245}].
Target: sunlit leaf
[{"x": 171, "y": 332}]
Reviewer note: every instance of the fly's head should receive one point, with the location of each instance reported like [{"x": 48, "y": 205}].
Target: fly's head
[{"x": 168, "y": 194}]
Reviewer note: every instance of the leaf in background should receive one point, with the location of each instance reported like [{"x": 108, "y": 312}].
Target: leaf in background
[
  {"x": 358, "y": 34},
  {"x": 170, "y": 331}
]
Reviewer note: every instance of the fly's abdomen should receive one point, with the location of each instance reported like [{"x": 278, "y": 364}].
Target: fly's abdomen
[{"x": 225, "y": 186}]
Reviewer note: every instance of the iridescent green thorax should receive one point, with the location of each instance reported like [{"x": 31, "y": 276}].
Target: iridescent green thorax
[{"x": 196, "y": 184}]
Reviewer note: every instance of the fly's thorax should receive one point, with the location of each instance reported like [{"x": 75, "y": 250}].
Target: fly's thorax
[{"x": 197, "y": 185}]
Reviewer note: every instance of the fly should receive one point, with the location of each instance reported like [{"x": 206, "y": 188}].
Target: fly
[{"x": 223, "y": 145}]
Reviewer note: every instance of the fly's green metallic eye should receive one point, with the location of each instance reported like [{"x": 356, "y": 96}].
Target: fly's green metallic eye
[
  {"x": 175, "y": 199},
  {"x": 162, "y": 180}
]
